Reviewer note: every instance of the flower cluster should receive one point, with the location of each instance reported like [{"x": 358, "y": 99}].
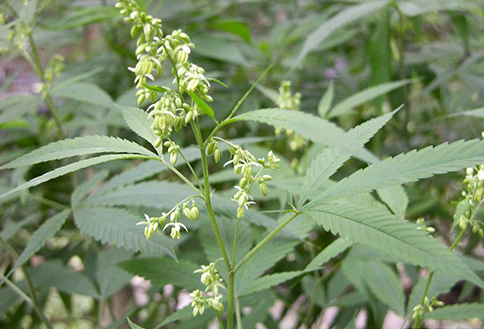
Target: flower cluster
[
  {"x": 423, "y": 227},
  {"x": 55, "y": 68},
  {"x": 168, "y": 110},
  {"x": 289, "y": 101},
  {"x": 211, "y": 279},
  {"x": 474, "y": 197},
  {"x": 18, "y": 32},
  {"x": 419, "y": 310},
  {"x": 244, "y": 162},
  {"x": 153, "y": 223}
]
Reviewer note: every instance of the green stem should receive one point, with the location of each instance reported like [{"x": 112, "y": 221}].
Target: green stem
[
  {"x": 179, "y": 174},
  {"x": 265, "y": 240},
  {"x": 237, "y": 313},
  {"x": 235, "y": 239},
  {"x": 216, "y": 230},
  {"x": 49, "y": 202},
  {"x": 220, "y": 322},
  {"x": 191, "y": 169},
  {"x": 33, "y": 296}
]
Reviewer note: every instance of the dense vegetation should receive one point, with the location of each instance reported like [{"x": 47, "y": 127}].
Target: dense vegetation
[{"x": 241, "y": 164}]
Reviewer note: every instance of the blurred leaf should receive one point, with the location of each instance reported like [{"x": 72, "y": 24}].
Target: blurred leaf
[
  {"x": 326, "y": 101},
  {"x": 40, "y": 237},
  {"x": 84, "y": 92},
  {"x": 110, "y": 277},
  {"x": 215, "y": 47},
  {"x": 77, "y": 17},
  {"x": 364, "y": 96},
  {"x": 237, "y": 28},
  {"x": 340, "y": 20},
  {"x": 133, "y": 325},
  {"x": 331, "y": 251},
  {"x": 457, "y": 312}
]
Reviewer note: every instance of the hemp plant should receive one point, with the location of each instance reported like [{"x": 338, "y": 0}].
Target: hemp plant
[{"x": 348, "y": 208}]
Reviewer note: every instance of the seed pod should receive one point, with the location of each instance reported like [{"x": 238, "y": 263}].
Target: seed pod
[
  {"x": 263, "y": 188},
  {"x": 243, "y": 182},
  {"x": 210, "y": 148},
  {"x": 216, "y": 155},
  {"x": 173, "y": 157}
]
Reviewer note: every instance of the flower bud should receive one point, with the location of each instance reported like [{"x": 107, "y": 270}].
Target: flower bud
[
  {"x": 247, "y": 172},
  {"x": 240, "y": 212},
  {"x": 195, "y": 213},
  {"x": 173, "y": 157}
]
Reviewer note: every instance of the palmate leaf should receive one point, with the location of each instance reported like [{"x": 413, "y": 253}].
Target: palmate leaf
[
  {"x": 331, "y": 159},
  {"x": 409, "y": 167},
  {"x": 118, "y": 227},
  {"x": 71, "y": 168},
  {"x": 75, "y": 147},
  {"x": 457, "y": 312},
  {"x": 38, "y": 239},
  {"x": 83, "y": 189},
  {"x": 310, "y": 127},
  {"x": 381, "y": 230}
]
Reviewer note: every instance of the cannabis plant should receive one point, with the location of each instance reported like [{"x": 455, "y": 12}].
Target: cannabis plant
[{"x": 365, "y": 211}]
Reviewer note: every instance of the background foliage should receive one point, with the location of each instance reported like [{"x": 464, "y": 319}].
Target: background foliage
[{"x": 351, "y": 60}]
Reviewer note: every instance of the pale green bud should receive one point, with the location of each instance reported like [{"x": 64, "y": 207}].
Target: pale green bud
[
  {"x": 263, "y": 188},
  {"x": 216, "y": 155}
]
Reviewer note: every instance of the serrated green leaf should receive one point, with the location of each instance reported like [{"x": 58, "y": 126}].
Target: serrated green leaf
[
  {"x": 12, "y": 228},
  {"x": 364, "y": 96},
  {"x": 457, "y": 312},
  {"x": 118, "y": 227},
  {"x": 163, "y": 271},
  {"x": 38, "y": 239},
  {"x": 326, "y": 101},
  {"x": 341, "y": 19},
  {"x": 310, "y": 127},
  {"x": 71, "y": 168},
  {"x": 202, "y": 105},
  {"x": 409, "y": 167},
  {"x": 381, "y": 230},
  {"x": 75, "y": 147},
  {"x": 331, "y": 251},
  {"x": 385, "y": 285},
  {"x": 137, "y": 120},
  {"x": 272, "y": 94},
  {"x": 331, "y": 159}
]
